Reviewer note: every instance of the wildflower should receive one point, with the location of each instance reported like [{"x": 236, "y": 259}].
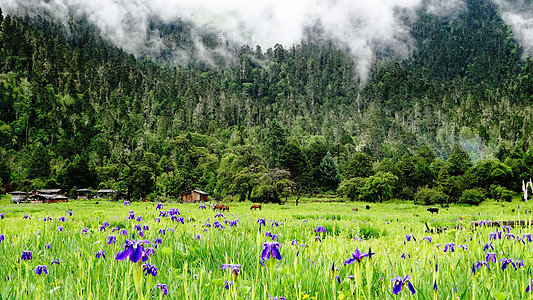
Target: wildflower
[
  {"x": 510, "y": 236},
  {"x": 506, "y": 228},
  {"x": 399, "y": 282},
  {"x": 358, "y": 239},
  {"x": 139, "y": 218},
  {"x": 271, "y": 249},
  {"x": 478, "y": 266},
  {"x": 275, "y": 223},
  {"x": 111, "y": 239},
  {"x": 133, "y": 250},
  {"x": 26, "y": 217},
  {"x": 428, "y": 238},
  {"x": 491, "y": 256},
  {"x": 216, "y": 224},
  {"x": 146, "y": 227},
  {"x": 2, "y": 215},
  {"x": 519, "y": 263},
  {"x": 487, "y": 246},
  {"x": 84, "y": 230},
  {"x": 317, "y": 238},
  {"x": 157, "y": 220},
  {"x": 69, "y": 212},
  {"x": 123, "y": 232},
  {"x": 219, "y": 215},
  {"x": 495, "y": 235},
  {"x": 100, "y": 254},
  {"x": 464, "y": 247},
  {"x": 61, "y": 219},
  {"x": 149, "y": 269},
  {"x": 261, "y": 221},
  {"x": 2, "y": 237},
  {"x": 55, "y": 261},
  {"x": 158, "y": 241},
  {"x": 159, "y": 206},
  {"x": 202, "y": 206},
  {"x": 449, "y": 246},
  {"x": 409, "y": 237},
  {"x": 276, "y": 297},
  {"x": 275, "y": 237},
  {"x": 127, "y": 203},
  {"x": 319, "y": 229},
  {"x": 26, "y": 255},
  {"x": 233, "y": 223},
  {"x": 268, "y": 234},
  {"x": 235, "y": 268},
  {"x": 227, "y": 284},
  {"x": 294, "y": 242},
  {"x": 197, "y": 237},
  {"x": 403, "y": 255},
  {"x": 47, "y": 246},
  {"x": 507, "y": 261},
  {"x": 40, "y": 269},
  {"x": 131, "y": 216},
  {"x": 356, "y": 256},
  {"x": 161, "y": 286}
]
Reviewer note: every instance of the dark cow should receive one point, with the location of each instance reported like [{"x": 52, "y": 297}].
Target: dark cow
[
  {"x": 255, "y": 206},
  {"x": 433, "y": 210},
  {"x": 367, "y": 207}
]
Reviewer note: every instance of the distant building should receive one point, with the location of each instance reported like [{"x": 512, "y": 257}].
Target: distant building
[
  {"x": 19, "y": 197},
  {"x": 194, "y": 196},
  {"x": 48, "y": 196},
  {"x": 105, "y": 193},
  {"x": 84, "y": 194}
]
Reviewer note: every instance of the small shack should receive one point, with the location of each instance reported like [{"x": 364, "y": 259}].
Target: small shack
[
  {"x": 194, "y": 196},
  {"x": 48, "y": 196},
  {"x": 105, "y": 193},
  {"x": 83, "y": 194},
  {"x": 19, "y": 197},
  {"x": 57, "y": 198}
]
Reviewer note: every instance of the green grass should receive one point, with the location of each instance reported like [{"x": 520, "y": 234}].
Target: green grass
[{"x": 192, "y": 268}]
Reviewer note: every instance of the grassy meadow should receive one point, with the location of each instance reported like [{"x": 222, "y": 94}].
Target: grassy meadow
[{"x": 323, "y": 249}]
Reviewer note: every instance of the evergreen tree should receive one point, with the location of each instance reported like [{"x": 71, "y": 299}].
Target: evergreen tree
[{"x": 328, "y": 173}]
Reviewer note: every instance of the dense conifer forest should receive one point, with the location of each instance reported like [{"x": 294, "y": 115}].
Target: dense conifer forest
[{"x": 450, "y": 123}]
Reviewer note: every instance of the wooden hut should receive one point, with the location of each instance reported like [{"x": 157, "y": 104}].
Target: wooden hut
[
  {"x": 194, "y": 196},
  {"x": 19, "y": 197},
  {"x": 57, "y": 198},
  {"x": 105, "y": 193},
  {"x": 83, "y": 194}
]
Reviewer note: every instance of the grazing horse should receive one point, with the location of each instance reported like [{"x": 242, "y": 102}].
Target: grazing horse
[
  {"x": 355, "y": 209},
  {"x": 255, "y": 206},
  {"x": 218, "y": 206},
  {"x": 224, "y": 207},
  {"x": 433, "y": 210},
  {"x": 367, "y": 207}
]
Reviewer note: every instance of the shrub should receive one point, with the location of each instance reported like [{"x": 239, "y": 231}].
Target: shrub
[
  {"x": 472, "y": 196},
  {"x": 429, "y": 196},
  {"x": 368, "y": 232}
]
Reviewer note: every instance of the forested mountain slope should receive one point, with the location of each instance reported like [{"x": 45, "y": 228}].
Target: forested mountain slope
[{"x": 77, "y": 112}]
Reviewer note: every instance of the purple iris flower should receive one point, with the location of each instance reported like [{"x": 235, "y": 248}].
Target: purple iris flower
[
  {"x": 317, "y": 238},
  {"x": 294, "y": 242},
  {"x": 161, "y": 286},
  {"x": 449, "y": 246},
  {"x": 146, "y": 227},
  {"x": 159, "y": 206},
  {"x": 529, "y": 286},
  {"x": 197, "y": 237},
  {"x": 84, "y": 230},
  {"x": 170, "y": 229},
  {"x": 206, "y": 224},
  {"x": 60, "y": 228},
  {"x": 61, "y": 219},
  {"x": 55, "y": 261},
  {"x": 428, "y": 238},
  {"x": 47, "y": 246},
  {"x": 275, "y": 223},
  {"x": 27, "y": 217},
  {"x": 490, "y": 257},
  {"x": 219, "y": 215},
  {"x": 157, "y": 220},
  {"x": 202, "y": 206},
  {"x": 276, "y": 297},
  {"x": 126, "y": 203},
  {"x": 233, "y": 223},
  {"x": 519, "y": 263},
  {"x": 41, "y": 269},
  {"x": 275, "y": 237},
  {"x": 464, "y": 247},
  {"x": 271, "y": 249},
  {"x": 179, "y": 220},
  {"x": 2, "y": 215},
  {"x": 319, "y": 229},
  {"x": 158, "y": 241},
  {"x": 139, "y": 218},
  {"x": 149, "y": 269},
  {"x": 358, "y": 239},
  {"x": 123, "y": 232},
  {"x": 506, "y": 228},
  {"x": 131, "y": 216},
  {"x": 137, "y": 227},
  {"x": 268, "y": 234},
  {"x": 69, "y": 212},
  {"x": 100, "y": 254},
  {"x": 27, "y": 255},
  {"x": 478, "y": 266},
  {"x": 399, "y": 282},
  {"x": 235, "y": 268},
  {"x": 227, "y": 284},
  {"x": 487, "y": 246},
  {"x": 2, "y": 237},
  {"x": 496, "y": 235},
  {"x": 356, "y": 256},
  {"x": 507, "y": 261},
  {"x": 111, "y": 239},
  {"x": 510, "y": 236},
  {"x": 403, "y": 255},
  {"x": 409, "y": 237},
  {"x": 134, "y": 250},
  {"x": 216, "y": 224},
  {"x": 261, "y": 221}
]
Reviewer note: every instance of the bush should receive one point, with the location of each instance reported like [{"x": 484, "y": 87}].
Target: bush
[
  {"x": 472, "y": 196},
  {"x": 352, "y": 188},
  {"x": 368, "y": 232},
  {"x": 429, "y": 196}
]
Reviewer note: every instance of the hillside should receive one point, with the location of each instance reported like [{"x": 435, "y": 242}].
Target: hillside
[{"x": 76, "y": 112}]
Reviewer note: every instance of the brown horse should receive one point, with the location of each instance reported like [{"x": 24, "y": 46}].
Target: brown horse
[
  {"x": 218, "y": 206},
  {"x": 255, "y": 206},
  {"x": 355, "y": 209},
  {"x": 224, "y": 207}
]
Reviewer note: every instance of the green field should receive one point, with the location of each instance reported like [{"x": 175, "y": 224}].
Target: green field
[{"x": 189, "y": 258}]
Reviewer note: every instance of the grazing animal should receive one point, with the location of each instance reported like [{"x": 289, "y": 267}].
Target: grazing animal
[
  {"x": 218, "y": 206},
  {"x": 224, "y": 207},
  {"x": 97, "y": 202},
  {"x": 255, "y": 206},
  {"x": 433, "y": 210},
  {"x": 355, "y": 209},
  {"x": 367, "y": 207}
]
